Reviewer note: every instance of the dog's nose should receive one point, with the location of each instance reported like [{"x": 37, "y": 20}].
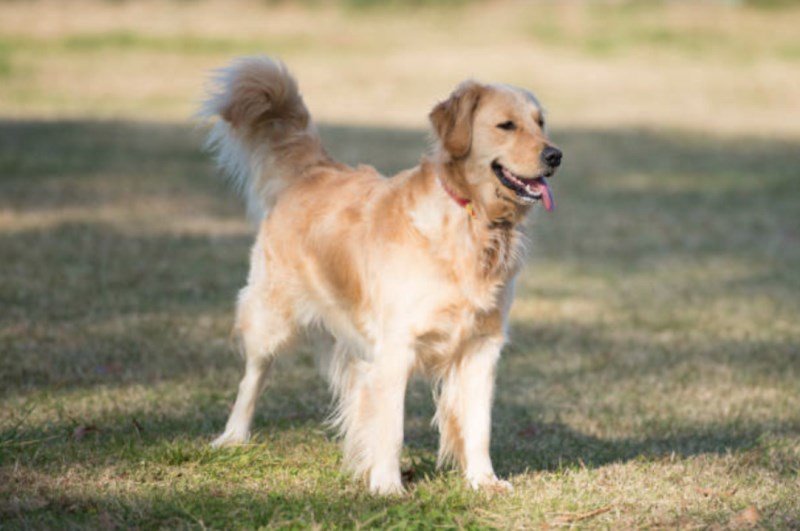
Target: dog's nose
[{"x": 551, "y": 156}]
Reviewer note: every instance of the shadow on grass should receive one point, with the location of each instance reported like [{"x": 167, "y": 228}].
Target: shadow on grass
[
  {"x": 555, "y": 446},
  {"x": 95, "y": 304},
  {"x": 247, "y": 507}
]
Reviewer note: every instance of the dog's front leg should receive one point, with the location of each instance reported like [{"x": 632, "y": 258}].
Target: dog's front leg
[
  {"x": 371, "y": 417},
  {"x": 464, "y": 413},
  {"x": 387, "y": 389}
]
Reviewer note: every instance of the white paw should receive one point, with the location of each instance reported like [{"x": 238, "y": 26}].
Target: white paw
[
  {"x": 490, "y": 483},
  {"x": 387, "y": 490},
  {"x": 386, "y": 484},
  {"x": 230, "y": 438}
]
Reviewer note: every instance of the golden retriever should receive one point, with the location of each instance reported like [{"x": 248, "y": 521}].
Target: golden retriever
[{"x": 413, "y": 273}]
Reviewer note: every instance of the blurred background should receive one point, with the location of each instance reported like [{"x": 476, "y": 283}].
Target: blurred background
[{"x": 721, "y": 66}]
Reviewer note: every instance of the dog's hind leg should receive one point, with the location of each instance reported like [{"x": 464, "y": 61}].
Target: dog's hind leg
[{"x": 263, "y": 328}]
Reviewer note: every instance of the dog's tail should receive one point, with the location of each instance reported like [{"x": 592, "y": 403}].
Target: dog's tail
[{"x": 265, "y": 138}]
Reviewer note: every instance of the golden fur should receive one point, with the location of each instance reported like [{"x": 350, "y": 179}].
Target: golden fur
[{"x": 399, "y": 275}]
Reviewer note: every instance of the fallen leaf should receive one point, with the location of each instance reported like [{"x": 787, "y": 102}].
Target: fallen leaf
[{"x": 747, "y": 518}]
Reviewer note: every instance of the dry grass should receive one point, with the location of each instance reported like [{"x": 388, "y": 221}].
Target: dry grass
[{"x": 652, "y": 381}]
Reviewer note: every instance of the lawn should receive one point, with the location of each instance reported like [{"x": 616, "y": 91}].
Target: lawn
[{"x": 653, "y": 379}]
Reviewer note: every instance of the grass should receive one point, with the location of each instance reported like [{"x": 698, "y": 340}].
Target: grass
[
  {"x": 673, "y": 30},
  {"x": 720, "y": 68},
  {"x": 652, "y": 378}
]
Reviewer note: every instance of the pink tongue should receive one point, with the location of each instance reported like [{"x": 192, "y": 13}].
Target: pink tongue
[{"x": 547, "y": 197}]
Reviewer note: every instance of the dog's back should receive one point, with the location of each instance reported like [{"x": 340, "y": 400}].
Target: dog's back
[{"x": 332, "y": 226}]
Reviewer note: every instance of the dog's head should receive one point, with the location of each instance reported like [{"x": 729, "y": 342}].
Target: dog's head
[{"x": 494, "y": 141}]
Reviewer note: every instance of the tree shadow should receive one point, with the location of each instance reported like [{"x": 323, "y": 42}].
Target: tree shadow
[
  {"x": 210, "y": 507},
  {"x": 528, "y": 444}
]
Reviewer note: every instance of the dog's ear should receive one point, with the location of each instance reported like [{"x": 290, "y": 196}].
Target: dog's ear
[{"x": 452, "y": 118}]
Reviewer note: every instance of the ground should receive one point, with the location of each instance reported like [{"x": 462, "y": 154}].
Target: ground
[{"x": 652, "y": 378}]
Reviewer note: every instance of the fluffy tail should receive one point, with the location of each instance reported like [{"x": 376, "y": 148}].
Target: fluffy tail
[{"x": 265, "y": 138}]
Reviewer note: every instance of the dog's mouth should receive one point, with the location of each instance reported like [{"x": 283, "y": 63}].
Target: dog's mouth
[{"x": 527, "y": 189}]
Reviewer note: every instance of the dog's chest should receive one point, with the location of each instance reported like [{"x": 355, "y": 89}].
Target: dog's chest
[{"x": 450, "y": 330}]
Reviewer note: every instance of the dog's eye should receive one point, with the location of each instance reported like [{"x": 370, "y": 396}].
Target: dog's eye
[
  {"x": 540, "y": 121},
  {"x": 507, "y": 126}
]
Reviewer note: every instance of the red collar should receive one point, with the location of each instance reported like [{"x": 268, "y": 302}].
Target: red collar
[{"x": 463, "y": 202}]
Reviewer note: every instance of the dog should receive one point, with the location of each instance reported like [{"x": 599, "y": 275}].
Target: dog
[{"x": 409, "y": 274}]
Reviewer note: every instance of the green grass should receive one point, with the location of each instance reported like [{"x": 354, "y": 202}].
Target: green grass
[
  {"x": 127, "y": 41},
  {"x": 636, "y": 28},
  {"x": 652, "y": 375}
]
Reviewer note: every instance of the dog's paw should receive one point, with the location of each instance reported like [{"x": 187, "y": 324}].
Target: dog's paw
[
  {"x": 388, "y": 485},
  {"x": 387, "y": 490},
  {"x": 230, "y": 438},
  {"x": 491, "y": 484}
]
